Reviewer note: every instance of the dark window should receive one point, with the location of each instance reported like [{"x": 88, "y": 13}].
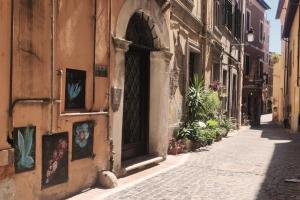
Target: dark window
[
  {"x": 75, "y": 89},
  {"x": 261, "y": 70},
  {"x": 266, "y": 78},
  {"x": 228, "y": 14},
  {"x": 216, "y": 72},
  {"x": 191, "y": 67},
  {"x": 224, "y": 103},
  {"x": 234, "y": 96},
  {"x": 216, "y": 13},
  {"x": 247, "y": 65},
  {"x": 248, "y": 20},
  {"x": 237, "y": 22},
  {"x": 261, "y": 32}
]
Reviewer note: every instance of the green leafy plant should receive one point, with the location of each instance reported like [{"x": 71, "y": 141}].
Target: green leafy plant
[
  {"x": 202, "y": 103},
  {"x": 212, "y": 123},
  {"x": 227, "y": 124}
]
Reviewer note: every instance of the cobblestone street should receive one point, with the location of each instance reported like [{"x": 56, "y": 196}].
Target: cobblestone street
[{"x": 250, "y": 165}]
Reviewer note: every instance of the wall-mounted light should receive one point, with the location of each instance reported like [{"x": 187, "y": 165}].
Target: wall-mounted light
[{"x": 250, "y": 35}]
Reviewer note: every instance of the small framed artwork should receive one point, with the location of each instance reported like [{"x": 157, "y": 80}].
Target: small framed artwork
[
  {"x": 24, "y": 144},
  {"x": 75, "y": 89},
  {"x": 83, "y": 139},
  {"x": 55, "y": 159}
]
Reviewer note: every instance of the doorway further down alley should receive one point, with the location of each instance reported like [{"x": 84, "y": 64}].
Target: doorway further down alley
[{"x": 252, "y": 164}]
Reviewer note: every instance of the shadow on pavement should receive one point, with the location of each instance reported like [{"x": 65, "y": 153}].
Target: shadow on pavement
[{"x": 285, "y": 164}]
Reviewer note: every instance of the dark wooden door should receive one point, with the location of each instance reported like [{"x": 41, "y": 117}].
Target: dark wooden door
[{"x": 136, "y": 104}]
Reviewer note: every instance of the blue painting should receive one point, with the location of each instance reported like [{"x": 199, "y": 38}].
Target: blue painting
[
  {"x": 82, "y": 143},
  {"x": 75, "y": 89},
  {"x": 24, "y": 144}
]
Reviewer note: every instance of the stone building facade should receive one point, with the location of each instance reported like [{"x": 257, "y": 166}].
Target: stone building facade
[
  {"x": 224, "y": 49},
  {"x": 187, "y": 45},
  {"x": 267, "y": 72},
  {"x": 288, "y": 13},
  {"x": 89, "y": 85},
  {"x": 277, "y": 88},
  {"x": 54, "y": 111},
  {"x": 254, "y": 61}
]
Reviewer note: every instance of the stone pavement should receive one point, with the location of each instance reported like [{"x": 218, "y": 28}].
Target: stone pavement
[{"x": 250, "y": 165}]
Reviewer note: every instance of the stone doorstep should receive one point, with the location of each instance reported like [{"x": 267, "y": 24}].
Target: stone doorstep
[
  {"x": 140, "y": 163},
  {"x": 169, "y": 163}
]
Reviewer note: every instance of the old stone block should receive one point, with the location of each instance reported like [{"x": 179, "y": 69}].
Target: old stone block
[{"x": 107, "y": 179}]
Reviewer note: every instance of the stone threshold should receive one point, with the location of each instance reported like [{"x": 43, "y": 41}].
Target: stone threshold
[
  {"x": 134, "y": 178},
  {"x": 140, "y": 163}
]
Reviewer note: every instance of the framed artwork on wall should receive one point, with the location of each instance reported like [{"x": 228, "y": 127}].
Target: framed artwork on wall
[
  {"x": 55, "y": 159},
  {"x": 75, "y": 89},
  {"x": 24, "y": 144},
  {"x": 83, "y": 139}
]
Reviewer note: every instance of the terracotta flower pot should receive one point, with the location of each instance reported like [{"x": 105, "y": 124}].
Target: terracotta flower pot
[{"x": 188, "y": 145}]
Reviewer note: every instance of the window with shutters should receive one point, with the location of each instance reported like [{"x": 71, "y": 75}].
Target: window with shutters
[
  {"x": 247, "y": 65},
  {"x": 217, "y": 13},
  {"x": 261, "y": 31},
  {"x": 261, "y": 70},
  {"x": 228, "y": 14},
  {"x": 237, "y": 22},
  {"x": 248, "y": 20}
]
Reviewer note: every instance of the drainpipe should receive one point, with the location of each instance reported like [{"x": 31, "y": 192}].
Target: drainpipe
[
  {"x": 94, "y": 53},
  {"x": 52, "y": 66},
  {"x": 10, "y": 123},
  {"x": 109, "y": 125}
]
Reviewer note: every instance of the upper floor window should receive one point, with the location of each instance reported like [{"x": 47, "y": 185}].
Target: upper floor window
[
  {"x": 247, "y": 65},
  {"x": 261, "y": 31},
  {"x": 217, "y": 13},
  {"x": 237, "y": 22},
  {"x": 75, "y": 89},
  {"x": 261, "y": 70},
  {"x": 248, "y": 20},
  {"x": 228, "y": 14}
]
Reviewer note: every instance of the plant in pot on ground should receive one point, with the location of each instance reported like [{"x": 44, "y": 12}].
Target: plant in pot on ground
[{"x": 227, "y": 124}]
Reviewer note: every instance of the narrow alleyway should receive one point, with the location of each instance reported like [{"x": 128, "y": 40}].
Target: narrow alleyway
[{"x": 251, "y": 165}]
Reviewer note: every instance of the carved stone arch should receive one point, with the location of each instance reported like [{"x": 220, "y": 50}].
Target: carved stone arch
[{"x": 152, "y": 13}]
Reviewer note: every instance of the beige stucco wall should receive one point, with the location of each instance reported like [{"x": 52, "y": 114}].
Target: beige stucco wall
[
  {"x": 293, "y": 88},
  {"x": 278, "y": 89},
  {"x": 5, "y": 29},
  {"x": 74, "y": 48},
  {"x": 184, "y": 39},
  {"x": 7, "y": 183}
]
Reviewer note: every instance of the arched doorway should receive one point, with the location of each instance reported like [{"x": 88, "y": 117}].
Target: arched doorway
[{"x": 135, "y": 128}]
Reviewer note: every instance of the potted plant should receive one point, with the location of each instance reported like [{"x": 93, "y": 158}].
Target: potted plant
[{"x": 227, "y": 125}]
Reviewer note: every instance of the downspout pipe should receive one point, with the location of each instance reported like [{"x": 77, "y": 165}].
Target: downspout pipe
[
  {"x": 109, "y": 125},
  {"x": 52, "y": 66},
  {"x": 94, "y": 55},
  {"x": 10, "y": 106}
]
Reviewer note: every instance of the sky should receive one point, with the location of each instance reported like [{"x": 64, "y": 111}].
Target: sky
[{"x": 275, "y": 42}]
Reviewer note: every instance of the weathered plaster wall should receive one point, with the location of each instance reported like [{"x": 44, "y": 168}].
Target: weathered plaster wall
[
  {"x": 184, "y": 37},
  {"x": 278, "y": 95},
  {"x": 7, "y": 183},
  {"x": 73, "y": 48},
  {"x": 293, "y": 89},
  {"x": 5, "y": 29}
]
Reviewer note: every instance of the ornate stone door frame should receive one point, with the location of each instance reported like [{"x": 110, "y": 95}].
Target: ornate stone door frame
[{"x": 159, "y": 79}]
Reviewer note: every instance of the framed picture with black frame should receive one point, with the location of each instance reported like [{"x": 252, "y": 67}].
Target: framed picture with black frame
[
  {"x": 75, "y": 89},
  {"x": 82, "y": 140}
]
